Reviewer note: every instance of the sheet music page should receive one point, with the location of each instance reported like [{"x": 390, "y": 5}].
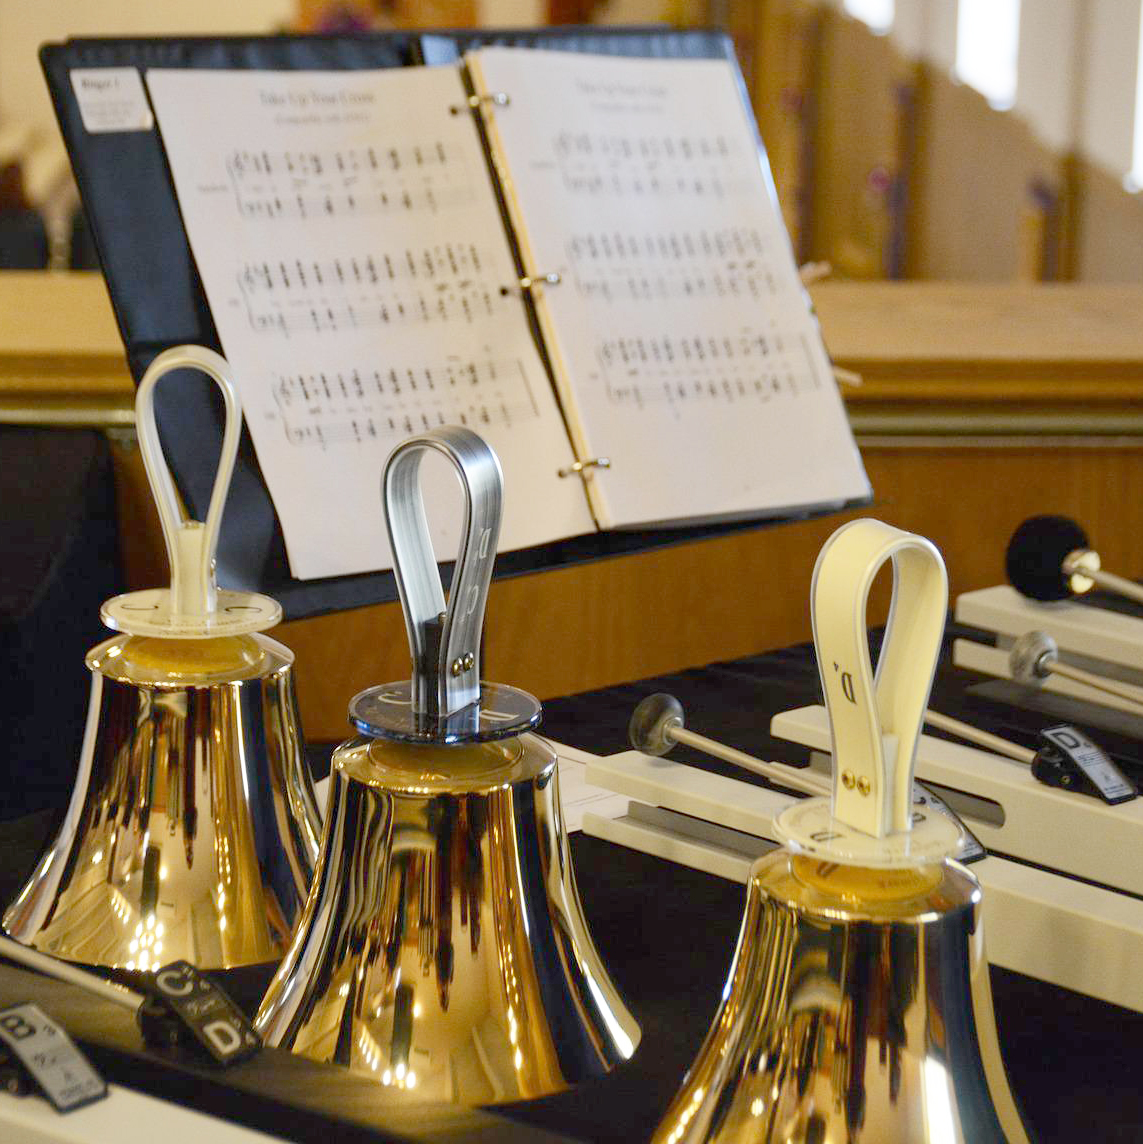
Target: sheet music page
[
  {"x": 680, "y": 330},
  {"x": 356, "y": 265}
]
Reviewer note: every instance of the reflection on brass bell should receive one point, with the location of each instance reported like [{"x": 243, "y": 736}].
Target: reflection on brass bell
[
  {"x": 858, "y": 1008},
  {"x": 443, "y": 949},
  {"x": 192, "y": 829}
]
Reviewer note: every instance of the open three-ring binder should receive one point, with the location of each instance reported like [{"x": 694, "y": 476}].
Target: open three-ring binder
[{"x": 578, "y": 256}]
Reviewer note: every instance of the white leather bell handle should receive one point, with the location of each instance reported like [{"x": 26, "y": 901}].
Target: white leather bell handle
[
  {"x": 191, "y": 544},
  {"x": 875, "y": 722}
]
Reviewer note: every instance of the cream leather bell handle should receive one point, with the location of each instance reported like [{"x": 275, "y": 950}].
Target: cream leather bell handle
[
  {"x": 444, "y": 641},
  {"x": 191, "y": 544},
  {"x": 875, "y": 722}
]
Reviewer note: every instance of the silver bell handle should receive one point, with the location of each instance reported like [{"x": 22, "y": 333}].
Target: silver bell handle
[
  {"x": 444, "y": 640},
  {"x": 191, "y": 544}
]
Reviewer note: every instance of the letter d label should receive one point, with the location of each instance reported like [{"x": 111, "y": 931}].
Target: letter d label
[{"x": 223, "y": 1036}]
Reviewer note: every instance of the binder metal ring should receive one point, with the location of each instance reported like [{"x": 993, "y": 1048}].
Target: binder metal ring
[
  {"x": 474, "y": 102},
  {"x": 583, "y": 467},
  {"x": 529, "y": 281}
]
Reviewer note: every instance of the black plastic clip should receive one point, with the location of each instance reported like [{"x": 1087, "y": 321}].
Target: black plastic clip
[
  {"x": 37, "y": 1055},
  {"x": 185, "y": 1005},
  {"x": 1071, "y": 761}
]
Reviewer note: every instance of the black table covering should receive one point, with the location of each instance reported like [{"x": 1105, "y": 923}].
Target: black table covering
[{"x": 59, "y": 560}]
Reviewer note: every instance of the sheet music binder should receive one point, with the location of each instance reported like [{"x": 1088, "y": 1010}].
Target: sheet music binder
[{"x": 158, "y": 297}]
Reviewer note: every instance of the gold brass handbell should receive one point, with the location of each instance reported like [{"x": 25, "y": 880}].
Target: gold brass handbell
[
  {"x": 443, "y": 950},
  {"x": 858, "y": 1008},
  {"x": 192, "y": 829}
]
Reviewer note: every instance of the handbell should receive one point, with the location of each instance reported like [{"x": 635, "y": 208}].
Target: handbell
[
  {"x": 443, "y": 949},
  {"x": 858, "y": 1006},
  {"x": 192, "y": 829}
]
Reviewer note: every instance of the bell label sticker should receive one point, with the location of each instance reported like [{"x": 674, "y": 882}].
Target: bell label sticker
[
  {"x": 214, "y": 1020},
  {"x": 61, "y": 1072},
  {"x": 111, "y": 99},
  {"x": 971, "y": 848},
  {"x": 1110, "y": 781}
]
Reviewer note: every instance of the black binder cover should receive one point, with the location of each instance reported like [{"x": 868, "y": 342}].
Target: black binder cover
[{"x": 158, "y": 297}]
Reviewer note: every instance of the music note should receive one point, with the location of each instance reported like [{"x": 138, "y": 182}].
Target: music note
[
  {"x": 729, "y": 263},
  {"x": 330, "y": 408},
  {"x": 441, "y": 283},
  {"x": 647, "y": 166},
  {"x": 681, "y": 371},
  {"x": 354, "y": 257},
  {"x": 348, "y": 181}
]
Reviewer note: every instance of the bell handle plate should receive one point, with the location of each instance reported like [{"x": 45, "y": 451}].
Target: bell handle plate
[
  {"x": 193, "y": 607},
  {"x": 444, "y": 640},
  {"x": 875, "y": 721}
]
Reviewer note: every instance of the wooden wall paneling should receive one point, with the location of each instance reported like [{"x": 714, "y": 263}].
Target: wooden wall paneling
[
  {"x": 968, "y": 495},
  {"x": 1050, "y": 221},
  {"x": 322, "y": 15},
  {"x": 913, "y": 222},
  {"x": 745, "y": 24},
  {"x": 61, "y": 359},
  {"x": 906, "y": 120},
  {"x": 977, "y": 169},
  {"x": 784, "y": 87},
  {"x": 944, "y": 347},
  {"x": 858, "y": 159},
  {"x": 1070, "y": 216},
  {"x": 1109, "y": 243}
]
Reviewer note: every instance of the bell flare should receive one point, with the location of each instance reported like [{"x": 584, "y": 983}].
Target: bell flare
[
  {"x": 443, "y": 949},
  {"x": 858, "y": 1009},
  {"x": 192, "y": 829}
]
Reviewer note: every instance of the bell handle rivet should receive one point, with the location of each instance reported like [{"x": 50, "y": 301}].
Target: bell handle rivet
[{"x": 444, "y": 640}]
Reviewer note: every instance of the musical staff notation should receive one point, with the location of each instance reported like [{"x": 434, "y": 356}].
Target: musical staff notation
[
  {"x": 325, "y": 408},
  {"x": 430, "y": 284},
  {"x": 353, "y": 251},
  {"x": 349, "y": 181},
  {"x": 344, "y": 161},
  {"x": 726, "y": 263},
  {"x": 682, "y": 371},
  {"x": 647, "y": 166},
  {"x": 427, "y": 264},
  {"x": 397, "y": 308}
]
